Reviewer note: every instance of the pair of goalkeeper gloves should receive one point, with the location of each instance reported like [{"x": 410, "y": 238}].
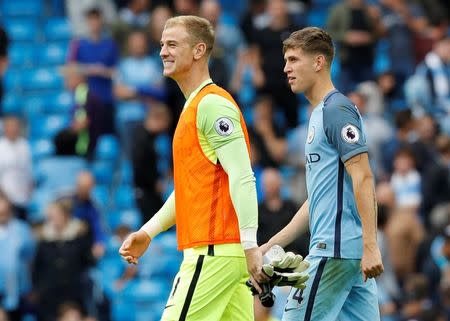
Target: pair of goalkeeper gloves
[{"x": 283, "y": 269}]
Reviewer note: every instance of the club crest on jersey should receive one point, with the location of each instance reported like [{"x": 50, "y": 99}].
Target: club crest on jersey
[
  {"x": 224, "y": 126},
  {"x": 350, "y": 134},
  {"x": 311, "y": 134}
]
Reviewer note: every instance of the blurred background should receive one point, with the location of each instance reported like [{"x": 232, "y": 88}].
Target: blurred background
[{"x": 85, "y": 146}]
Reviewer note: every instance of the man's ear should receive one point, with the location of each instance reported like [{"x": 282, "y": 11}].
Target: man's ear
[
  {"x": 199, "y": 50},
  {"x": 320, "y": 62}
]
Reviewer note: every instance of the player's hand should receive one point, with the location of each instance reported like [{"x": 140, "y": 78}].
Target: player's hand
[
  {"x": 134, "y": 246},
  {"x": 286, "y": 268},
  {"x": 371, "y": 264},
  {"x": 254, "y": 266}
]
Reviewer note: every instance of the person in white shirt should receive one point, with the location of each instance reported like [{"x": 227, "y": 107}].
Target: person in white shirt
[{"x": 15, "y": 166}]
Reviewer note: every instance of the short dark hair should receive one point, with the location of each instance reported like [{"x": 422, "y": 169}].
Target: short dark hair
[
  {"x": 403, "y": 118},
  {"x": 311, "y": 40},
  {"x": 93, "y": 12}
]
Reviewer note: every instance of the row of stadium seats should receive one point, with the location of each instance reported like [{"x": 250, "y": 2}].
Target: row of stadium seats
[
  {"x": 27, "y": 56},
  {"x": 34, "y": 31},
  {"x": 33, "y": 79},
  {"x": 40, "y": 103}
]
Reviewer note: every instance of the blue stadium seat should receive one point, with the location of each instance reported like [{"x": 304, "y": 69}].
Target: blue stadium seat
[
  {"x": 22, "y": 30},
  {"x": 129, "y": 111},
  {"x": 43, "y": 78},
  {"x": 12, "y": 80},
  {"x": 317, "y": 18},
  {"x": 124, "y": 197},
  {"x": 12, "y": 104},
  {"x": 100, "y": 195},
  {"x": 102, "y": 171},
  {"x": 21, "y": 55},
  {"x": 40, "y": 199},
  {"x": 58, "y": 103},
  {"x": 52, "y": 54},
  {"x": 126, "y": 173},
  {"x": 48, "y": 126},
  {"x": 163, "y": 147},
  {"x": 57, "y": 29},
  {"x": 107, "y": 148},
  {"x": 146, "y": 291},
  {"x": 131, "y": 217},
  {"x": 33, "y": 106},
  {"x": 41, "y": 148},
  {"x": 157, "y": 264},
  {"x": 22, "y": 8},
  {"x": 128, "y": 217},
  {"x": 59, "y": 172}
]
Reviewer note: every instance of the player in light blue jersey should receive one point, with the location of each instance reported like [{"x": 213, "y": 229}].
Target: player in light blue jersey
[{"x": 341, "y": 205}]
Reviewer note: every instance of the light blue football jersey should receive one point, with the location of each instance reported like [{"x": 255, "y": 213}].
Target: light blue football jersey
[{"x": 335, "y": 134}]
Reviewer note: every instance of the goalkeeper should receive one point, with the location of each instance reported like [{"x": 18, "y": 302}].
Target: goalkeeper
[{"x": 214, "y": 203}]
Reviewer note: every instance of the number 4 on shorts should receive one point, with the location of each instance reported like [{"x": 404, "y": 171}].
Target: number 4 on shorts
[{"x": 298, "y": 295}]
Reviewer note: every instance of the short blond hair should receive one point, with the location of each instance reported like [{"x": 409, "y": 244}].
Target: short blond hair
[
  {"x": 199, "y": 30},
  {"x": 311, "y": 40}
]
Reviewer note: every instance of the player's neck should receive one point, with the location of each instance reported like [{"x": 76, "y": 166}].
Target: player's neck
[
  {"x": 319, "y": 90},
  {"x": 191, "y": 80}
]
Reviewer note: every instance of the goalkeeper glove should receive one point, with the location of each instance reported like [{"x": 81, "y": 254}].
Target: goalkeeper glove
[{"x": 285, "y": 269}]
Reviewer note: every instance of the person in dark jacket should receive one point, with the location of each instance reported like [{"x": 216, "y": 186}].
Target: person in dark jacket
[
  {"x": 145, "y": 160},
  {"x": 62, "y": 258}
]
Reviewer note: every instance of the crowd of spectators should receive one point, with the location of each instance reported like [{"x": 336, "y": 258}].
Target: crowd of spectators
[{"x": 392, "y": 60}]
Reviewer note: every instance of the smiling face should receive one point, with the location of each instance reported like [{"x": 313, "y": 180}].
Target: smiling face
[
  {"x": 176, "y": 51},
  {"x": 300, "y": 69}
]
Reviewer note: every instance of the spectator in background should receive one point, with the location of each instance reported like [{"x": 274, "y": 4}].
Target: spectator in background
[
  {"x": 270, "y": 43},
  {"x": 3, "y": 315},
  {"x": 76, "y": 11},
  {"x": 424, "y": 146},
  {"x": 392, "y": 93},
  {"x": 401, "y": 21},
  {"x": 139, "y": 82},
  {"x": 186, "y": 7},
  {"x": 159, "y": 16},
  {"x": 228, "y": 37},
  {"x": 404, "y": 233},
  {"x": 387, "y": 285},
  {"x": 247, "y": 76},
  {"x": 97, "y": 56},
  {"x": 404, "y": 123},
  {"x": 275, "y": 212},
  {"x": 16, "y": 178},
  {"x": 147, "y": 183},
  {"x": 267, "y": 135},
  {"x": 134, "y": 17},
  {"x": 62, "y": 258},
  {"x": 4, "y": 42},
  {"x": 436, "y": 179},
  {"x": 406, "y": 181},
  {"x": 17, "y": 246},
  {"x": 378, "y": 130},
  {"x": 70, "y": 312},
  {"x": 433, "y": 71},
  {"x": 355, "y": 30},
  {"x": 85, "y": 210},
  {"x": 88, "y": 116},
  {"x": 254, "y": 19},
  {"x": 136, "y": 14},
  {"x": 417, "y": 305}
]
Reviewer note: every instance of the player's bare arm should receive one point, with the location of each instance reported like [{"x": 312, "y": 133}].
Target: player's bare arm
[
  {"x": 297, "y": 226},
  {"x": 363, "y": 188}
]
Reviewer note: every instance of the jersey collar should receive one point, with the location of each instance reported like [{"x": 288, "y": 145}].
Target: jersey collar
[{"x": 196, "y": 91}]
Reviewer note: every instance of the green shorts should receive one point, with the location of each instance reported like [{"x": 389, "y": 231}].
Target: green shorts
[{"x": 210, "y": 287}]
